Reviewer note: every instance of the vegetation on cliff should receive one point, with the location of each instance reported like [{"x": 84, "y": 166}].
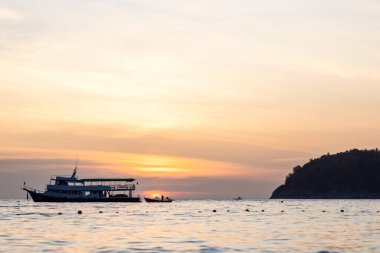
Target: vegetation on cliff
[{"x": 350, "y": 174}]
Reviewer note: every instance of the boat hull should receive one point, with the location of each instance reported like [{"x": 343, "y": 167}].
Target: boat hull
[
  {"x": 41, "y": 197},
  {"x": 157, "y": 200}
]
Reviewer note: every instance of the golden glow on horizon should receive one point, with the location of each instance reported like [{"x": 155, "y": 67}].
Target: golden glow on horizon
[
  {"x": 135, "y": 164},
  {"x": 160, "y": 169}
]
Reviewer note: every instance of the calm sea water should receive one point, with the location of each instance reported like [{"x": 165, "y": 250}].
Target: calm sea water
[{"x": 192, "y": 226}]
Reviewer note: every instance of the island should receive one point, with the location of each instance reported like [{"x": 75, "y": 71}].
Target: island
[{"x": 354, "y": 174}]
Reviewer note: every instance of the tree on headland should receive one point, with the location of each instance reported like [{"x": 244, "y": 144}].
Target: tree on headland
[{"x": 351, "y": 174}]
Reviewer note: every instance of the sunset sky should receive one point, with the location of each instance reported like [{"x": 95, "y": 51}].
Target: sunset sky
[{"x": 195, "y": 99}]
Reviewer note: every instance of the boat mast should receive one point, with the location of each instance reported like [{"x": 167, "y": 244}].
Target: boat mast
[{"x": 75, "y": 168}]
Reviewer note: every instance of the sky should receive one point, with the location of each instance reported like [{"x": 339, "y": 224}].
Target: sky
[{"x": 195, "y": 99}]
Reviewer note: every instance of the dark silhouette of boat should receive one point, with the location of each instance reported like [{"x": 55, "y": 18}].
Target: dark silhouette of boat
[
  {"x": 157, "y": 200},
  {"x": 72, "y": 189}
]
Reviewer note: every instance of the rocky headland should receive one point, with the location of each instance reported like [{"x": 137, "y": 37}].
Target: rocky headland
[{"x": 353, "y": 174}]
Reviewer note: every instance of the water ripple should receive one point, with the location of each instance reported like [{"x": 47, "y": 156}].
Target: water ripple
[{"x": 192, "y": 226}]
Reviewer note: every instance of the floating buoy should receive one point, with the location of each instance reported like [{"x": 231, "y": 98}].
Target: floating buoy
[
  {"x": 59, "y": 213},
  {"x": 116, "y": 212},
  {"x": 79, "y": 212},
  {"x": 262, "y": 210},
  {"x": 199, "y": 211},
  {"x": 282, "y": 201},
  {"x": 342, "y": 211},
  {"x": 247, "y": 210},
  {"x": 214, "y": 211},
  {"x": 228, "y": 211},
  {"x": 100, "y": 211},
  {"x": 323, "y": 211},
  {"x": 282, "y": 211}
]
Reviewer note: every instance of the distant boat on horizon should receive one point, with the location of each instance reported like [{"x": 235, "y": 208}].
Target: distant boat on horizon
[{"x": 72, "y": 189}]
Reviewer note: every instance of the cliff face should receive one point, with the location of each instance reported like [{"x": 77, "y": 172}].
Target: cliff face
[{"x": 350, "y": 174}]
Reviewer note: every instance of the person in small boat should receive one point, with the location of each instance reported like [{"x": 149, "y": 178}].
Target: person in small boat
[{"x": 162, "y": 197}]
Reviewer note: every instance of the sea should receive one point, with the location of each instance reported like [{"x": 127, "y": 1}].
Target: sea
[{"x": 191, "y": 226}]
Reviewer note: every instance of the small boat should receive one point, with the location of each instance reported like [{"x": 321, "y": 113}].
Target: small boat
[
  {"x": 158, "y": 200},
  {"x": 238, "y": 198}
]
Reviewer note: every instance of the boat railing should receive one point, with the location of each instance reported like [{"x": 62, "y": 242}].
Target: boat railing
[{"x": 122, "y": 187}]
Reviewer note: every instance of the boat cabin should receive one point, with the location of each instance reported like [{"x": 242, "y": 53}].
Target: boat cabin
[{"x": 91, "y": 187}]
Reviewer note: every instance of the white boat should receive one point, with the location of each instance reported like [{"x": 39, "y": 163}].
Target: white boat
[{"x": 72, "y": 189}]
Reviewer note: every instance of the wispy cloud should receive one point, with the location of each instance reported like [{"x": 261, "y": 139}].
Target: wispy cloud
[{"x": 8, "y": 14}]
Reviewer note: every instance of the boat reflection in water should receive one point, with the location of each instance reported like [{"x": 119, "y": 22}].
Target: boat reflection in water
[{"x": 72, "y": 189}]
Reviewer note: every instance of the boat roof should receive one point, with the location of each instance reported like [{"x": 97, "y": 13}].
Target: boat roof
[
  {"x": 106, "y": 179},
  {"x": 74, "y": 179},
  {"x": 63, "y": 178}
]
